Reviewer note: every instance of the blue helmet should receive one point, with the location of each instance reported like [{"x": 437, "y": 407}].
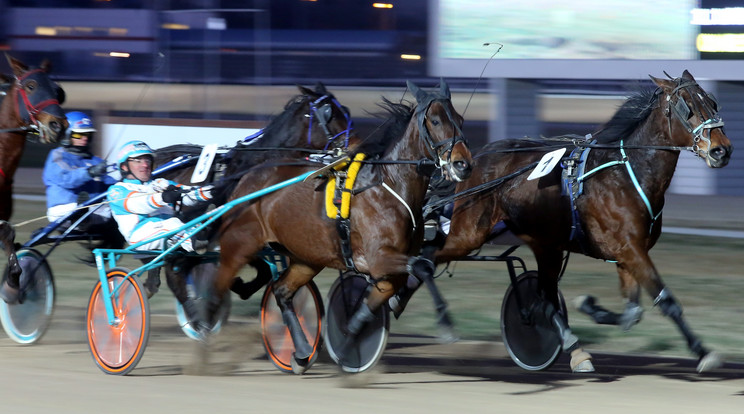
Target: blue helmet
[
  {"x": 133, "y": 149},
  {"x": 80, "y": 123}
]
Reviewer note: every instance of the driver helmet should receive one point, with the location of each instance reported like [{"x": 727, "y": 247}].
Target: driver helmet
[
  {"x": 80, "y": 123},
  {"x": 133, "y": 149}
]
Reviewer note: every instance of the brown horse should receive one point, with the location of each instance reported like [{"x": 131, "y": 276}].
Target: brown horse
[
  {"x": 606, "y": 203},
  {"x": 312, "y": 122},
  {"x": 30, "y": 108},
  {"x": 385, "y": 219}
]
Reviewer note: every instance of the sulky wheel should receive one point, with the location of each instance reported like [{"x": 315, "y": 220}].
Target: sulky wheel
[
  {"x": 117, "y": 347},
  {"x": 277, "y": 341},
  {"x": 26, "y": 322},
  {"x": 530, "y": 338},
  {"x": 345, "y": 296}
]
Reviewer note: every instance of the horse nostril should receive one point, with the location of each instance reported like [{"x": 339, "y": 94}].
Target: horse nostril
[
  {"x": 718, "y": 153},
  {"x": 462, "y": 165},
  {"x": 55, "y": 126}
]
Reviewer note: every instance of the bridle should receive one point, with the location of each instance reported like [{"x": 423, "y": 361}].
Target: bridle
[
  {"x": 438, "y": 150},
  {"x": 30, "y": 107},
  {"x": 322, "y": 109},
  {"x": 681, "y": 111}
]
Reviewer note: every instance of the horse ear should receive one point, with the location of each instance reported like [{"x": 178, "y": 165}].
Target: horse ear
[
  {"x": 19, "y": 68},
  {"x": 320, "y": 89},
  {"x": 444, "y": 88},
  {"x": 662, "y": 83},
  {"x": 416, "y": 91},
  {"x": 46, "y": 65},
  {"x": 305, "y": 91},
  {"x": 687, "y": 75}
]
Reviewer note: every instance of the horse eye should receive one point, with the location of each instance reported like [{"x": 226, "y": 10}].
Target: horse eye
[{"x": 31, "y": 85}]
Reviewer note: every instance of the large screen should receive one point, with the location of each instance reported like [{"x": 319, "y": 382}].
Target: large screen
[{"x": 607, "y": 39}]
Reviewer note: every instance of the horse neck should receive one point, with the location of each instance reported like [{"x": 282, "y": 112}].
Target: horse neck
[
  {"x": 653, "y": 168},
  {"x": 404, "y": 178}
]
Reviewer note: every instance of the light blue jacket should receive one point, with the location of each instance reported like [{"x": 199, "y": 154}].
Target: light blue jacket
[{"x": 66, "y": 175}]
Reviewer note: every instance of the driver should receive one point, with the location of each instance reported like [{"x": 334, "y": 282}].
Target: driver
[
  {"x": 72, "y": 174},
  {"x": 143, "y": 207}
]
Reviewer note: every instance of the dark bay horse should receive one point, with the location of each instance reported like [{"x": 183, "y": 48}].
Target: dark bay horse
[
  {"x": 312, "y": 122},
  {"x": 29, "y": 107},
  {"x": 608, "y": 208},
  {"x": 385, "y": 219}
]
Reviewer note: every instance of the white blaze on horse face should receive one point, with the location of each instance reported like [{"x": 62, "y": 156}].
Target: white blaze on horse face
[{"x": 546, "y": 164}]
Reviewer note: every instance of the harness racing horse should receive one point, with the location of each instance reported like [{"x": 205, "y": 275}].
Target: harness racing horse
[
  {"x": 385, "y": 223},
  {"x": 608, "y": 208},
  {"x": 312, "y": 122},
  {"x": 29, "y": 107}
]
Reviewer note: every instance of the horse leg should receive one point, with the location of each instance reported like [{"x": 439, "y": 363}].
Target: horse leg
[
  {"x": 632, "y": 313},
  {"x": 549, "y": 262},
  {"x": 11, "y": 285},
  {"x": 263, "y": 276},
  {"x": 294, "y": 277},
  {"x": 639, "y": 264},
  {"x": 423, "y": 269},
  {"x": 175, "y": 275}
]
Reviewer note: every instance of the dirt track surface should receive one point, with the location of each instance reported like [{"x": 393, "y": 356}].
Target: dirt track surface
[{"x": 416, "y": 375}]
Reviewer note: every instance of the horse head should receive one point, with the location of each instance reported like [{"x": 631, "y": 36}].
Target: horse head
[
  {"x": 38, "y": 100},
  {"x": 440, "y": 128},
  {"x": 329, "y": 122},
  {"x": 693, "y": 118}
]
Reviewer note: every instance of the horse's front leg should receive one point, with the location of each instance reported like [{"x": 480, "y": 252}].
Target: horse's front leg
[
  {"x": 295, "y": 276},
  {"x": 549, "y": 263},
  {"x": 639, "y": 264}
]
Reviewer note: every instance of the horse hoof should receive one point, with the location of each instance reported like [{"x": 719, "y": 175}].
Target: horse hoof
[
  {"x": 299, "y": 366},
  {"x": 579, "y": 301},
  {"x": 581, "y": 361},
  {"x": 8, "y": 293},
  {"x": 709, "y": 362},
  {"x": 447, "y": 335}
]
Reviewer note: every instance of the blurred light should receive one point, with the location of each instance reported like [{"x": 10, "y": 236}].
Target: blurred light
[
  {"x": 46, "y": 31},
  {"x": 410, "y": 57},
  {"x": 382, "y": 5},
  {"x": 730, "y": 16},
  {"x": 112, "y": 54},
  {"x": 723, "y": 42},
  {"x": 175, "y": 26}
]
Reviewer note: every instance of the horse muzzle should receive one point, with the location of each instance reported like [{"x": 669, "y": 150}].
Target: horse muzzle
[
  {"x": 457, "y": 171},
  {"x": 719, "y": 156}
]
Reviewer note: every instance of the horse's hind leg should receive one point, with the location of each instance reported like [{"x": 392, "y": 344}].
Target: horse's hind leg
[
  {"x": 632, "y": 314},
  {"x": 263, "y": 276},
  {"x": 10, "y": 286},
  {"x": 549, "y": 263},
  {"x": 294, "y": 277}
]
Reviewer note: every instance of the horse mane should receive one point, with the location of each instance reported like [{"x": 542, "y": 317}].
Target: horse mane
[
  {"x": 273, "y": 136},
  {"x": 397, "y": 116},
  {"x": 631, "y": 114}
]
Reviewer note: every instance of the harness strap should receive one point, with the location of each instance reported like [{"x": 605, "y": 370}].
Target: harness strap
[{"x": 413, "y": 218}]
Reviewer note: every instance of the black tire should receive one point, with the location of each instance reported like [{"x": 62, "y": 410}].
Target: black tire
[
  {"x": 200, "y": 288},
  {"x": 345, "y": 296},
  {"x": 533, "y": 344},
  {"x": 117, "y": 348},
  {"x": 27, "y": 321},
  {"x": 308, "y": 305}
]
